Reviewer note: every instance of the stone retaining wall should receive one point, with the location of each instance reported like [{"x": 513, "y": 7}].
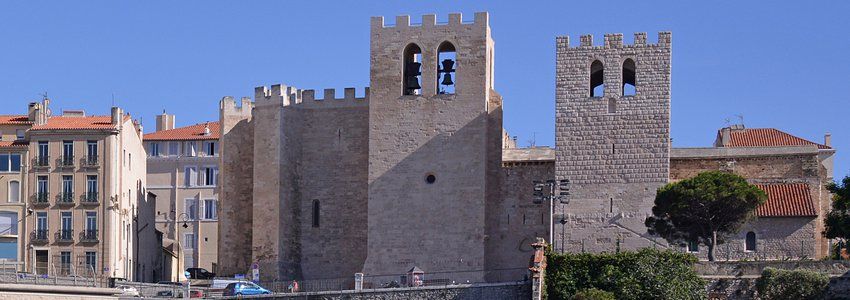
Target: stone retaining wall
[{"x": 519, "y": 290}]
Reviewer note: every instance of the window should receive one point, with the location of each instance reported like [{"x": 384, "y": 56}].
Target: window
[
  {"x": 41, "y": 221},
  {"x": 190, "y": 176},
  {"x": 209, "y": 147},
  {"x": 210, "y": 209},
  {"x": 91, "y": 185},
  {"x": 693, "y": 246},
  {"x": 190, "y": 148},
  {"x": 68, "y": 150},
  {"x": 9, "y": 248},
  {"x": 597, "y": 79},
  {"x": 10, "y": 162},
  {"x": 750, "y": 245},
  {"x": 91, "y": 149},
  {"x": 8, "y": 223},
  {"x": 629, "y": 77},
  {"x": 91, "y": 260},
  {"x": 42, "y": 185},
  {"x": 43, "y": 150},
  {"x": 446, "y": 60},
  {"x": 67, "y": 186},
  {"x": 91, "y": 221},
  {"x": 412, "y": 70},
  {"x": 154, "y": 149},
  {"x": 67, "y": 221},
  {"x": 316, "y": 211},
  {"x": 210, "y": 176},
  {"x": 65, "y": 261},
  {"x": 20, "y": 134},
  {"x": 612, "y": 105},
  {"x": 190, "y": 207},
  {"x": 14, "y": 191},
  {"x": 189, "y": 241},
  {"x": 173, "y": 148}
]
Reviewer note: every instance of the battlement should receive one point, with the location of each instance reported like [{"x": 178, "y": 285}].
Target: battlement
[
  {"x": 430, "y": 20},
  {"x": 615, "y": 40},
  {"x": 228, "y": 106},
  {"x": 283, "y": 95}
]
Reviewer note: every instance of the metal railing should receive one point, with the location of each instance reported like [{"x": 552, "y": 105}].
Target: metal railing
[
  {"x": 41, "y": 161},
  {"x": 66, "y": 161},
  {"x": 39, "y": 236},
  {"x": 65, "y": 198},
  {"x": 41, "y": 199},
  {"x": 89, "y": 235},
  {"x": 90, "y": 161},
  {"x": 65, "y": 235},
  {"x": 89, "y": 198}
]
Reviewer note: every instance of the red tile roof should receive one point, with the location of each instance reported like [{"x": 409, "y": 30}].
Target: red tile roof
[
  {"x": 787, "y": 200},
  {"x": 188, "y": 133},
  {"x": 767, "y": 137},
  {"x": 13, "y": 144},
  {"x": 77, "y": 123},
  {"x": 14, "y": 120}
]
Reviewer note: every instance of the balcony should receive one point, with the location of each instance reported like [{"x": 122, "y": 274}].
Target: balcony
[
  {"x": 39, "y": 236},
  {"x": 65, "y": 162},
  {"x": 90, "y": 161},
  {"x": 89, "y": 199},
  {"x": 89, "y": 236},
  {"x": 65, "y": 199},
  {"x": 65, "y": 235},
  {"x": 40, "y": 199},
  {"x": 41, "y": 162}
]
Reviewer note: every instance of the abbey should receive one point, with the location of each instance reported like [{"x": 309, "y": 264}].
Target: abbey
[{"x": 416, "y": 170}]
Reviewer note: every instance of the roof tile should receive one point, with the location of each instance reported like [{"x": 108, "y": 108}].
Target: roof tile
[
  {"x": 787, "y": 200},
  {"x": 14, "y": 120},
  {"x": 767, "y": 137},
  {"x": 188, "y": 133},
  {"x": 76, "y": 123}
]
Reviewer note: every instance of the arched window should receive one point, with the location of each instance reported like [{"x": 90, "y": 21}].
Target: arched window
[
  {"x": 412, "y": 70},
  {"x": 446, "y": 62},
  {"x": 316, "y": 208},
  {"x": 751, "y": 242},
  {"x": 597, "y": 79},
  {"x": 629, "y": 77},
  {"x": 14, "y": 191}
]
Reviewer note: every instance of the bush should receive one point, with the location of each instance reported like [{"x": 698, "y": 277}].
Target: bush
[
  {"x": 645, "y": 274},
  {"x": 593, "y": 294},
  {"x": 775, "y": 284}
]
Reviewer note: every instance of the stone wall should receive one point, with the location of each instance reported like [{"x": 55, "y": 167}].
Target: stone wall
[
  {"x": 518, "y": 290},
  {"x": 235, "y": 187},
  {"x": 737, "y": 280}
]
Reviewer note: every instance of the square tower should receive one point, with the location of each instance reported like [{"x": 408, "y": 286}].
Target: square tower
[
  {"x": 612, "y": 138},
  {"x": 434, "y": 144}
]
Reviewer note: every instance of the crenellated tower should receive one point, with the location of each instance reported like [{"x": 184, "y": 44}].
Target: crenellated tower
[
  {"x": 434, "y": 144},
  {"x": 612, "y": 138}
]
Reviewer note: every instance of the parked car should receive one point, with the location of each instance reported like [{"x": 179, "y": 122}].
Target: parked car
[
  {"x": 244, "y": 288},
  {"x": 200, "y": 273},
  {"x": 170, "y": 283},
  {"x": 128, "y": 291}
]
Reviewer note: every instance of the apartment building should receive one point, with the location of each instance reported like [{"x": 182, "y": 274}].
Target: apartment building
[
  {"x": 73, "y": 186},
  {"x": 183, "y": 174}
]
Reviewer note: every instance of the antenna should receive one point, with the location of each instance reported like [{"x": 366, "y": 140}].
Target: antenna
[
  {"x": 533, "y": 141},
  {"x": 43, "y": 95},
  {"x": 113, "y": 99},
  {"x": 740, "y": 119}
]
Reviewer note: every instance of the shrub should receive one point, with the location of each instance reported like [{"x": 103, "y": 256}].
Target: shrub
[
  {"x": 593, "y": 294},
  {"x": 775, "y": 284},
  {"x": 645, "y": 274}
]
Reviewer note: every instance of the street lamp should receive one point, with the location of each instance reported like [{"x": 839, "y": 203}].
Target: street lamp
[{"x": 563, "y": 187}]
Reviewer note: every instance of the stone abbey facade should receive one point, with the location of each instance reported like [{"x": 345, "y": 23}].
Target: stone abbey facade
[{"x": 417, "y": 171}]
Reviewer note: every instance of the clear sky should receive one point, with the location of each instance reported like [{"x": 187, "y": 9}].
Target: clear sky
[{"x": 783, "y": 64}]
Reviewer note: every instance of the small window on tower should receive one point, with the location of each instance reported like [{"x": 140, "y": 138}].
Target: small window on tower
[
  {"x": 446, "y": 59},
  {"x": 597, "y": 79},
  {"x": 629, "y": 78},
  {"x": 412, "y": 70}
]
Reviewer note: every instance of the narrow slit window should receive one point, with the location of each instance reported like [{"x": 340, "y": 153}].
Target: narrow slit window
[
  {"x": 446, "y": 63},
  {"x": 612, "y": 105},
  {"x": 629, "y": 78},
  {"x": 597, "y": 79},
  {"x": 316, "y": 210},
  {"x": 412, "y": 70}
]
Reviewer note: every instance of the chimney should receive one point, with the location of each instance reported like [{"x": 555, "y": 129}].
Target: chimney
[
  {"x": 207, "y": 129},
  {"x": 164, "y": 121},
  {"x": 827, "y": 139},
  {"x": 34, "y": 110},
  {"x": 116, "y": 115},
  {"x": 724, "y": 137}
]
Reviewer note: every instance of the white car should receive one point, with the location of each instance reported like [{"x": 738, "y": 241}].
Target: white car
[{"x": 126, "y": 290}]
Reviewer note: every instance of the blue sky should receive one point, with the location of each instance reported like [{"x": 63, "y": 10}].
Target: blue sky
[{"x": 782, "y": 64}]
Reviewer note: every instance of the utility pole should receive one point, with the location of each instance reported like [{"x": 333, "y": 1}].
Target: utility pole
[{"x": 550, "y": 186}]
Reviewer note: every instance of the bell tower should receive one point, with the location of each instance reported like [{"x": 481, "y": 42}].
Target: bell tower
[{"x": 434, "y": 144}]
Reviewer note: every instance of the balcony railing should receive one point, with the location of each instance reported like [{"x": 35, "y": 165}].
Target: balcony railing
[
  {"x": 40, "y": 199},
  {"x": 41, "y": 161},
  {"x": 90, "y": 161},
  {"x": 66, "y": 161},
  {"x": 39, "y": 236},
  {"x": 90, "y": 198},
  {"x": 89, "y": 236},
  {"x": 65, "y": 235},
  {"x": 65, "y": 198}
]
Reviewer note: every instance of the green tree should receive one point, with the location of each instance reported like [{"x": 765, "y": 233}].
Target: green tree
[
  {"x": 792, "y": 284},
  {"x": 837, "y": 221},
  {"x": 706, "y": 209}
]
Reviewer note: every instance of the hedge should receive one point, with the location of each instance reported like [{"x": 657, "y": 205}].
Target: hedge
[
  {"x": 644, "y": 274},
  {"x": 775, "y": 284}
]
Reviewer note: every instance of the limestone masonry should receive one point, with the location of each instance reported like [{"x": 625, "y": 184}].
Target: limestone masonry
[{"x": 417, "y": 171}]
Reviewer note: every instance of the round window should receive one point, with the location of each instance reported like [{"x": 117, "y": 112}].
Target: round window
[{"x": 430, "y": 178}]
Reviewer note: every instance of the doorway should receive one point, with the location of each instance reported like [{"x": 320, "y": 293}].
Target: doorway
[{"x": 41, "y": 262}]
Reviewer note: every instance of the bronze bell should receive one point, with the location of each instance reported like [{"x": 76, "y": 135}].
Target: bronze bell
[
  {"x": 447, "y": 79},
  {"x": 412, "y": 83},
  {"x": 448, "y": 66},
  {"x": 412, "y": 69}
]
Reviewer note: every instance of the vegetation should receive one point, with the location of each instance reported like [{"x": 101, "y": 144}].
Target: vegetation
[
  {"x": 645, "y": 274},
  {"x": 837, "y": 221},
  {"x": 593, "y": 294},
  {"x": 706, "y": 209},
  {"x": 775, "y": 284}
]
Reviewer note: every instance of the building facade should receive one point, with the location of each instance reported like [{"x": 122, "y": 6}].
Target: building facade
[
  {"x": 80, "y": 185},
  {"x": 183, "y": 174}
]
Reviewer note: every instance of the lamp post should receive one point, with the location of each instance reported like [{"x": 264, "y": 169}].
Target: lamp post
[
  {"x": 184, "y": 218},
  {"x": 545, "y": 191}
]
